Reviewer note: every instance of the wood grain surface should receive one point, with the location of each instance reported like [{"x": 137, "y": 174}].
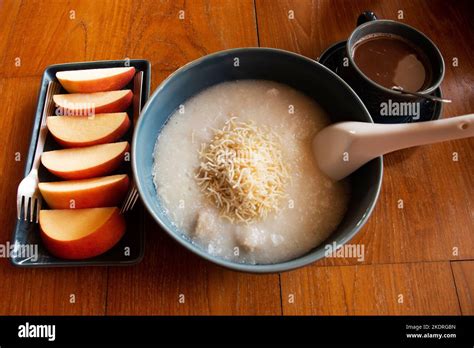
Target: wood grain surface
[
  {"x": 464, "y": 277},
  {"x": 400, "y": 289},
  {"x": 421, "y": 251}
]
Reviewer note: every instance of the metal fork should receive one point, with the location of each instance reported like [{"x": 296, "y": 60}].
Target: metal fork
[
  {"x": 132, "y": 195},
  {"x": 28, "y": 197}
]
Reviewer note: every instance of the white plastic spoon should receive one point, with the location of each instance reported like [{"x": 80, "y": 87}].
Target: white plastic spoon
[{"x": 342, "y": 148}]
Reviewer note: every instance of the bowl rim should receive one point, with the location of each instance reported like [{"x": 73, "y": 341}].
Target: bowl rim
[{"x": 301, "y": 261}]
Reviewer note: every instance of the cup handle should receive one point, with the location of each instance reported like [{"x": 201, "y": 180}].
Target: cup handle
[{"x": 366, "y": 16}]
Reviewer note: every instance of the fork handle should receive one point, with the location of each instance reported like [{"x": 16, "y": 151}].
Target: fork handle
[
  {"x": 43, "y": 131},
  {"x": 39, "y": 147}
]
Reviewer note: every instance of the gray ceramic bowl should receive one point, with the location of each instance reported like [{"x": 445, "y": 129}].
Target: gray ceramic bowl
[{"x": 299, "y": 72}]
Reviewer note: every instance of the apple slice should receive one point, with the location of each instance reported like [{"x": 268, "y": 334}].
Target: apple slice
[
  {"x": 78, "y": 131},
  {"x": 86, "y": 104},
  {"x": 85, "y": 162},
  {"x": 107, "y": 191},
  {"x": 81, "y": 233},
  {"x": 95, "y": 80}
]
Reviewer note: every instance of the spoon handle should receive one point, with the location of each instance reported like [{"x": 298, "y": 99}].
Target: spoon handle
[{"x": 385, "y": 138}]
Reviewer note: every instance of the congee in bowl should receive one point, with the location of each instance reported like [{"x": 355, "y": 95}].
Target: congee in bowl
[
  {"x": 235, "y": 171},
  {"x": 222, "y": 159}
]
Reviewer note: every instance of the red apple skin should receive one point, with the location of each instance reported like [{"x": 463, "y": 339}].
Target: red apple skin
[
  {"x": 101, "y": 170},
  {"x": 120, "y": 105},
  {"x": 91, "y": 245},
  {"x": 101, "y": 85},
  {"x": 111, "y": 138},
  {"x": 117, "y": 106},
  {"x": 100, "y": 197}
]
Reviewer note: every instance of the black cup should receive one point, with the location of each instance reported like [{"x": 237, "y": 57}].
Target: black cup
[{"x": 374, "y": 94}]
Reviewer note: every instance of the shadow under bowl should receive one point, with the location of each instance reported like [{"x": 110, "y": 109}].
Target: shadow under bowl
[{"x": 305, "y": 75}]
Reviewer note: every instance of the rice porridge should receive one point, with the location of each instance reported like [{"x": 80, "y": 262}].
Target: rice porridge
[{"x": 271, "y": 206}]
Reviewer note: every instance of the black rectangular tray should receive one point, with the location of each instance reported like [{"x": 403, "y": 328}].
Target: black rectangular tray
[{"x": 131, "y": 248}]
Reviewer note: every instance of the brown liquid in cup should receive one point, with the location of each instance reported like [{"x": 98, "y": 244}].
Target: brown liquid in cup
[{"x": 390, "y": 61}]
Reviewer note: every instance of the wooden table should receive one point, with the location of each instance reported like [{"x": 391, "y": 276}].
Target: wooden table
[{"x": 419, "y": 259}]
